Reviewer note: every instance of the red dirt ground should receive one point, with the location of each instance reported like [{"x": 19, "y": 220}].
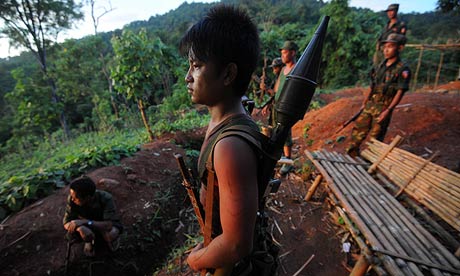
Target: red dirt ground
[{"x": 157, "y": 213}]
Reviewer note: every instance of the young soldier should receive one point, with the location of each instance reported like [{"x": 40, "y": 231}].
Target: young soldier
[
  {"x": 394, "y": 25},
  {"x": 277, "y": 65},
  {"x": 288, "y": 56},
  {"x": 388, "y": 84},
  {"x": 223, "y": 49},
  {"x": 90, "y": 213}
]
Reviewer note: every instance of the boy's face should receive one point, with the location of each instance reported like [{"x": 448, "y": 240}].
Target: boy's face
[
  {"x": 276, "y": 70},
  {"x": 204, "y": 81},
  {"x": 390, "y": 50},
  {"x": 391, "y": 14},
  {"x": 287, "y": 56},
  {"x": 79, "y": 201}
]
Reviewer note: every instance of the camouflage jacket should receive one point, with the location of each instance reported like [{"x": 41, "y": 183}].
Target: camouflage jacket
[{"x": 385, "y": 83}]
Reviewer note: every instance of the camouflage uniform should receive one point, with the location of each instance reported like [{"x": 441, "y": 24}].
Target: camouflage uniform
[{"x": 386, "y": 81}]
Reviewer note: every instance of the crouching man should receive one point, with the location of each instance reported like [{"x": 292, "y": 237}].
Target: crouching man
[{"x": 90, "y": 214}]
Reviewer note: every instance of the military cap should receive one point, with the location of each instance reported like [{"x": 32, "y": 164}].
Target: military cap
[
  {"x": 392, "y": 7},
  {"x": 277, "y": 62},
  {"x": 395, "y": 38},
  {"x": 289, "y": 45}
]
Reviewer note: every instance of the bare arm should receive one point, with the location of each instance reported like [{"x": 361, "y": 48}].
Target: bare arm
[
  {"x": 73, "y": 225},
  {"x": 236, "y": 168},
  {"x": 397, "y": 98}
]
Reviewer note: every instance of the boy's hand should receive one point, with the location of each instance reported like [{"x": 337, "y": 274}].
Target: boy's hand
[
  {"x": 192, "y": 257},
  {"x": 74, "y": 224},
  {"x": 85, "y": 233},
  {"x": 383, "y": 115}
]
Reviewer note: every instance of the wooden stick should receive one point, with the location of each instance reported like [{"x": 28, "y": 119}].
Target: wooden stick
[
  {"x": 17, "y": 240},
  {"x": 304, "y": 265},
  {"x": 313, "y": 187},
  {"x": 393, "y": 254},
  {"x": 393, "y": 144}
]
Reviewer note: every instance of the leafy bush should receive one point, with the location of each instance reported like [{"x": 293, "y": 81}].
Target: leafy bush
[{"x": 25, "y": 178}]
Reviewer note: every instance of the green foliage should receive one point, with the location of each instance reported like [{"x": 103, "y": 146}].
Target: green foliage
[
  {"x": 33, "y": 115},
  {"x": 25, "y": 178},
  {"x": 349, "y": 44},
  {"x": 79, "y": 73},
  {"x": 176, "y": 112},
  {"x": 449, "y": 5},
  {"x": 33, "y": 24},
  {"x": 138, "y": 63}
]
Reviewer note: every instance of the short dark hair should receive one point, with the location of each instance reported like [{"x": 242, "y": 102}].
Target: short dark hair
[
  {"x": 225, "y": 35},
  {"x": 83, "y": 187}
]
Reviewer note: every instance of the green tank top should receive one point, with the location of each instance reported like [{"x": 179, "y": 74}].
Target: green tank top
[
  {"x": 281, "y": 85},
  {"x": 206, "y": 151}
]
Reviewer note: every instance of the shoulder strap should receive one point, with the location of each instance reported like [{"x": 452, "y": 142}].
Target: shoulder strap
[{"x": 249, "y": 134}]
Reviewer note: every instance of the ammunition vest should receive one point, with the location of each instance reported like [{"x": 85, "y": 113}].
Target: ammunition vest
[
  {"x": 385, "y": 84},
  {"x": 263, "y": 259},
  {"x": 239, "y": 125}
]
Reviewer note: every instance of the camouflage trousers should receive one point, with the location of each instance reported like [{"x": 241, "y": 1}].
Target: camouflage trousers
[{"x": 366, "y": 125}]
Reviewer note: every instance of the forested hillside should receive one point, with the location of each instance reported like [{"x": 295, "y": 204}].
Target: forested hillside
[{"x": 117, "y": 83}]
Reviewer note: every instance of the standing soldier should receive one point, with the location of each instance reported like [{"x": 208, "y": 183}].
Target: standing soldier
[
  {"x": 388, "y": 83},
  {"x": 394, "y": 25},
  {"x": 288, "y": 56},
  {"x": 277, "y": 65}
]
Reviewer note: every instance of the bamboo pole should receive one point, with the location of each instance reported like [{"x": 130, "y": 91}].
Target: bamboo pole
[
  {"x": 379, "y": 190},
  {"x": 393, "y": 144},
  {"x": 400, "y": 235},
  {"x": 427, "y": 237},
  {"x": 444, "y": 201},
  {"x": 313, "y": 187},
  {"x": 347, "y": 191},
  {"x": 403, "y": 172},
  {"x": 421, "y": 247},
  {"x": 377, "y": 145},
  {"x": 376, "y": 226},
  {"x": 419, "y": 63},
  {"x": 350, "y": 210},
  {"x": 438, "y": 229},
  {"x": 360, "y": 267},
  {"x": 372, "y": 227},
  {"x": 416, "y": 173},
  {"x": 447, "y": 192},
  {"x": 428, "y": 188},
  {"x": 409, "y": 158},
  {"x": 388, "y": 262},
  {"x": 441, "y": 59}
]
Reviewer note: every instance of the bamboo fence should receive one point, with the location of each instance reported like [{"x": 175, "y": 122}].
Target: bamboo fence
[
  {"x": 395, "y": 236},
  {"x": 435, "y": 187}
]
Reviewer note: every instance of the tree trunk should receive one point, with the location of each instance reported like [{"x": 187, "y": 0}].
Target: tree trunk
[
  {"x": 62, "y": 119},
  {"x": 140, "y": 104}
]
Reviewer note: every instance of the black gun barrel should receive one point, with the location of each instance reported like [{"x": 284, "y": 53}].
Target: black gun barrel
[
  {"x": 301, "y": 82},
  {"x": 294, "y": 100}
]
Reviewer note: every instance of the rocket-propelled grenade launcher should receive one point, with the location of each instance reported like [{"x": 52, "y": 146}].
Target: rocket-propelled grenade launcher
[
  {"x": 301, "y": 83},
  {"x": 297, "y": 93}
]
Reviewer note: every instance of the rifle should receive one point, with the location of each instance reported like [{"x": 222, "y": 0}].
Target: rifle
[
  {"x": 189, "y": 182},
  {"x": 354, "y": 117},
  {"x": 270, "y": 101},
  {"x": 263, "y": 77}
]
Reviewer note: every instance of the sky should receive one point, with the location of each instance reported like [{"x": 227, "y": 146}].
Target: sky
[{"x": 126, "y": 11}]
